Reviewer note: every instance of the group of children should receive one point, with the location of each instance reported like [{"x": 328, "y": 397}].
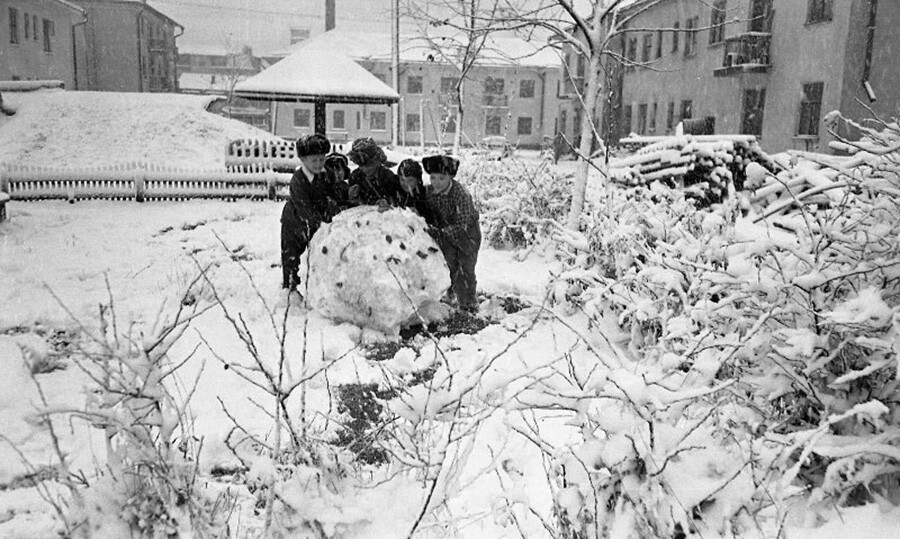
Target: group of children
[{"x": 323, "y": 186}]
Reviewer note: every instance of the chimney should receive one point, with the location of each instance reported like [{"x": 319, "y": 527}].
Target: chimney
[{"x": 329, "y": 15}]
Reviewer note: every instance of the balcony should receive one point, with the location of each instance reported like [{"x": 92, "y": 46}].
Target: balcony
[{"x": 745, "y": 53}]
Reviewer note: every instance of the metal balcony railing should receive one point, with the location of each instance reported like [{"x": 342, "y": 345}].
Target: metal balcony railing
[{"x": 746, "y": 53}]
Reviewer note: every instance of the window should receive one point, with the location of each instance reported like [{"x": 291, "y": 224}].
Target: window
[
  {"x": 337, "y": 119},
  {"x": 563, "y": 122},
  {"x": 49, "y": 32},
  {"x": 670, "y": 117},
  {"x": 492, "y": 124},
  {"x": 14, "y": 25},
  {"x": 358, "y": 120},
  {"x": 580, "y": 71},
  {"x": 690, "y": 40},
  {"x": 717, "y": 23},
  {"x": 631, "y": 55},
  {"x": 675, "y": 36},
  {"x": 526, "y": 88},
  {"x": 818, "y": 11},
  {"x": 754, "y": 105},
  {"x": 646, "y": 47},
  {"x": 27, "y": 27},
  {"x": 626, "y": 119},
  {"x": 301, "y": 118},
  {"x": 377, "y": 120},
  {"x": 642, "y": 119},
  {"x": 687, "y": 109},
  {"x": 493, "y": 92},
  {"x": 659, "y": 40},
  {"x": 810, "y": 108},
  {"x": 760, "y": 16},
  {"x": 523, "y": 126},
  {"x": 653, "y": 111},
  {"x": 414, "y": 84},
  {"x": 299, "y": 35},
  {"x": 34, "y": 27},
  {"x": 413, "y": 123}
]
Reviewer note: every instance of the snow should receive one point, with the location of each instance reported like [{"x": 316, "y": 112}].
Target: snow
[
  {"x": 83, "y": 129},
  {"x": 309, "y": 72}
]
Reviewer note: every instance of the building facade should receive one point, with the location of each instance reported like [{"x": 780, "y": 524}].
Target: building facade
[
  {"x": 40, "y": 39},
  {"x": 129, "y": 47},
  {"x": 515, "y": 104},
  {"x": 771, "y": 68}
]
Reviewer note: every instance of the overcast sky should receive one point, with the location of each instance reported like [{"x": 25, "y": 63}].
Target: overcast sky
[{"x": 266, "y": 24}]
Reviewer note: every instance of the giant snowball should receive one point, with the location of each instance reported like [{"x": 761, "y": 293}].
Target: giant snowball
[{"x": 374, "y": 269}]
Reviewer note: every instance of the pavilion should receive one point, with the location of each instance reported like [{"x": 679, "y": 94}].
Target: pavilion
[{"x": 315, "y": 74}]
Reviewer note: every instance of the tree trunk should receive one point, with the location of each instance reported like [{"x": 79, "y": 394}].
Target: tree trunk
[
  {"x": 457, "y": 135},
  {"x": 591, "y": 93}
]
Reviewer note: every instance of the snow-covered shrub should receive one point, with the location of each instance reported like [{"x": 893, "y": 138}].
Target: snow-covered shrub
[
  {"x": 795, "y": 318},
  {"x": 517, "y": 201}
]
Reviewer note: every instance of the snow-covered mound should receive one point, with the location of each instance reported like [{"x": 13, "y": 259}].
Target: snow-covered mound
[
  {"x": 82, "y": 129},
  {"x": 374, "y": 269}
]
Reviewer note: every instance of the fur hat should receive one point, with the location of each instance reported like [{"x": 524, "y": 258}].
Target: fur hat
[
  {"x": 313, "y": 145},
  {"x": 441, "y": 164},
  {"x": 410, "y": 167},
  {"x": 365, "y": 150},
  {"x": 336, "y": 161}
]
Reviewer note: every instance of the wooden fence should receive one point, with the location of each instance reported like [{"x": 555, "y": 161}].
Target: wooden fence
[{"x": 141, "y": 182}]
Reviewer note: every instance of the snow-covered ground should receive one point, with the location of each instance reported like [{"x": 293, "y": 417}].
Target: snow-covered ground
[{"x": 56, "y": 128}]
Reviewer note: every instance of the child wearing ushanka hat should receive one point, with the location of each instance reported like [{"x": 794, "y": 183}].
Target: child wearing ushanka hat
[
  {"x": 372, "y": 183},
  {"x": 457, "y": 230},
  {"x": 301, "y": 216}
]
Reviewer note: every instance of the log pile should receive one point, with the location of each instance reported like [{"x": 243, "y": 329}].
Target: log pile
[{"x": 709, "y": 167}]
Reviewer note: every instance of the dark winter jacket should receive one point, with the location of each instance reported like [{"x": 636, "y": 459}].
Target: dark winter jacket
[
  {"x": 329, "y": 196},
  {"x": 384, "y": 185},
  {"x": 300, "y": 219},
  {"x": 418, "y": 201}
]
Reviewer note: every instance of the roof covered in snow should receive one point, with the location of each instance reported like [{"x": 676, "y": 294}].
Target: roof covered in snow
[
  {"x": 499, "y": 50},
  {"x": 317, "y": 71}
]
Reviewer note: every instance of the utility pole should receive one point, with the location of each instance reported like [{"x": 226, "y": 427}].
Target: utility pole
[{"x": 395, "y": 69}]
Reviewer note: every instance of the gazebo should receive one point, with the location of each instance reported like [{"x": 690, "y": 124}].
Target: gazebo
[{"x": 314, "y": 74}]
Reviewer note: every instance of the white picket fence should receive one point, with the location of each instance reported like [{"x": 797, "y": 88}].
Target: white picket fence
[{"x": 141, "y": 182}]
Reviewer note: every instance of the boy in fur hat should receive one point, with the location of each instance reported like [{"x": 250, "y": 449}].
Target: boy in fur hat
[
  {"x": 372, "y": 183},
  {"x": 302, "y": 214},
  {"x": 457, "y": 230}
]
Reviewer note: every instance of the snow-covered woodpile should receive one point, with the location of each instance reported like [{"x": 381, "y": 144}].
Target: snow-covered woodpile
[
  {"x": 374, "y": 269},
  {"x": 709, "y": 167}
]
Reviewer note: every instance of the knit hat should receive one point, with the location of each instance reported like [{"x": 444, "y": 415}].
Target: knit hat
[
  {"x": 365, "y": 150},
  {"x": 313, "y": 145},
  {"x": 441, "y": 164}
]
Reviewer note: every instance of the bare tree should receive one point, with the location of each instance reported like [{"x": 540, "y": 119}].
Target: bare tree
[{"x": 454, "y": 33}]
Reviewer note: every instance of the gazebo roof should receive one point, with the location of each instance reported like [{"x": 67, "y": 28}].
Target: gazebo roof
[{"x": 315, "y": 73}]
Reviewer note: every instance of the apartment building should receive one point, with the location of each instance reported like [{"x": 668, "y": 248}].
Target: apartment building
[
  {"x": 38, "y": 40},
  {"x": 512, "y": 100},
  {"x": 129, "y": 47},
  {"x": 771, "y": 68}
]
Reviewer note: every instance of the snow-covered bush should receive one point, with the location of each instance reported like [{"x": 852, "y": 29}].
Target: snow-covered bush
[
  {"x": 517, "y": 201},
  {"x": 794, "y": 319}
]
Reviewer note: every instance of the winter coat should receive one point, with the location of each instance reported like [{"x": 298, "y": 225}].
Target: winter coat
[
  {"x": 329, "y": 196},
  {"x": 456, "y": 218},
  {"x": 300, "y": 219},
  {"x": 418, "y": 201},
  {"x": 383, "y": 186}
]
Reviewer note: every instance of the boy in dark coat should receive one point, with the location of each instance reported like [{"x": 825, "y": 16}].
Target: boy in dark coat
[
  {"x": 302, "y": 215},
  {"x": 372, "y": 183},
  {"x": 457, "y": 230},
  {"x": 331, "y": 188},
  {"x": 414, "y": 195}
]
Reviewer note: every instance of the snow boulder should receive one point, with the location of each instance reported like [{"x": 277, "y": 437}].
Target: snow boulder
[{"x": 375, "y": 269}]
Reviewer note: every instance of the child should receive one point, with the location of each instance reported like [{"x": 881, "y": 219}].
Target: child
[
  {"x": 372, "y": 183},
  {"x": 414, "y": 195},
  {"x": 331, "y": 188},
  {"x": 457, "y": 230},
  {"x": 301, "y": 216}
]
